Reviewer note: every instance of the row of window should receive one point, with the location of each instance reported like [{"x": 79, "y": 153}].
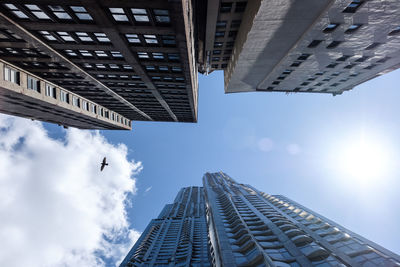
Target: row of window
[
  {"x": 55, "y": 11},
  {"x": 140, "y": 15},
  {"x": 13, "y": 75}
]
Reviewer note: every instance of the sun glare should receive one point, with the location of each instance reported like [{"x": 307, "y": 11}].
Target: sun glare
[{"x": 365, "y": 159}]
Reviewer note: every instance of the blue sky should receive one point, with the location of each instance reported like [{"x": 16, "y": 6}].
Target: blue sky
[{"x": 295, "y": 145}]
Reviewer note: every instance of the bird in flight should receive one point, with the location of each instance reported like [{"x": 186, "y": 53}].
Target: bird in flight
[{"x": 103, "y": 164}]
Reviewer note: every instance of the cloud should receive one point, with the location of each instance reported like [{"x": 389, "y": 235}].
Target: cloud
[
  {"x": 293, "y": 149},
  {"x": 148, "y": 189},
  {"x": 56, "y": 207},
  {"x": 265, "y": 144}
]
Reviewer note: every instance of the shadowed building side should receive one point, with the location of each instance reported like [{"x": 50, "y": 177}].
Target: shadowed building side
[{"x": 26, "y": 95}]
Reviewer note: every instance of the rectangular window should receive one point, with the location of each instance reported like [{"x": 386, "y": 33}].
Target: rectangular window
[
  {"x": 11, "y": 75},
  {"x": 64, "y": 96},
  {"x": 93, "y": 108},
  {"x": 85, "y": 105},
  {"x": 33, "y": 84},
  {"x": 51, "y": 91},
  {"x": 76, "y": 101}
]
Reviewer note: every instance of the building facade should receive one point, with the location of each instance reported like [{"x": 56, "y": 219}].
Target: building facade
[
  {"x": 178, "y": 237},
  {"x": 135, "y": 58},
  {"x": 326, "y": 46},
  {"x": 241, "y": 226}
]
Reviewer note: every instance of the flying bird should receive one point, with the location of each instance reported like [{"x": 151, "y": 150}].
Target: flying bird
[{"x": 103, "y": 164}]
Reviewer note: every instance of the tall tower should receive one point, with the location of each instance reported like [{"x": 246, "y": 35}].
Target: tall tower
[
  {"x": 251, "y": 228},
  {"x": 178, "y": 237},
  {"x": 246, "y": 227}
]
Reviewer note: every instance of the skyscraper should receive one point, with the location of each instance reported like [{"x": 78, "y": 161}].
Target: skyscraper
[
  {"x": 177, "y": 237},
  {"x": 246, "y": 227},
  {"x": 326, "y": 46},
  {"x": 134, "y": 59}
]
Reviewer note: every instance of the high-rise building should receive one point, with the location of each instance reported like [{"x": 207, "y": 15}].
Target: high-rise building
[
  {"x": 325, "y": 46},
  {"x": 136, "y": 59},
  {"x": 246, "y": 227},
  {"x": 178, "y": 237}
]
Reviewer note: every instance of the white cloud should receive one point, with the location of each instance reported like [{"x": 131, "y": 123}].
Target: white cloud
[
  {"x": 56, "y": 207},
  {"x": 265, "y": 144},
  {"x": 148, "y": 189},
  {"x": 293, "y": 149}
]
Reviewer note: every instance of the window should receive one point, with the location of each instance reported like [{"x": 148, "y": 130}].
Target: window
[
  {"x": 353, "y": 6},
  {"x": 225, "y": 7},
  {"x": 349, "y": 66},
  {"x": 66, "y": 37},
  {"x": 16, "y": 11},
  {"x": 331, "y": 27},
  {"x": 216, "y": 58},
  {"x": 37, "y": 11},
  {"x": 353, "y": 28},
  {"x": 162, "y": 15},
  {"x": 85, "y": 53},
  {"x": 101, "y": 37},
  {"x": 99, "y": 53},
  {"x": 33, "y": 84},
  {"x": 395, "y": 31},
  {"x": 176, "y": 69},
  {"x": 168, "y": 40},
  {"x": 84, "y": 37},
  {"x": 219, "y": 34},
  {"x": 221, "y": 24},
  {"x": 383, "y": 60},
  {"x": 370, "y": 67},
  {"x": 50, "y": 90},
  {"x": 303, "y": 56},
  {"x": 232, "y": 34},
  {"x": 81, "y": 13},
  {"x": 173, "y": 56},
  {"x": 93, "y": 108},
  {"x": 140, "y": 15},
  {"x": 240, "y": 6},
  {"x": 48, "y": 35},
  {"x": 362, "y": 59},
  {"x": 60, "y": 12},
  {"x": 332, "y": 65},
  {"x": 161, "y": 68},
  {"x": 85, "y": 105},
  {"x": 102, "y": 112},
  {"x": 333, "y": 44},
  {"x": 76, "y": 101},
  {"x": 151, "y": 68},
  {"x": 372, "y": 46},
  {"x": 64, "y": 96},
  {"x": 132, "y": 38},
  {"x": 235, "y": 23},
  {"x": 218, "y": 44},
  {"x": 70, "y": 53},
  {"x": 314, "y": 43},
  {"x": 216, "y": 52},
  {"x": 343, "y": 58},
  {"x": 11, "y": 75},
  {"x": 116, "y": 54},
  {"x": 107, "y": 114},
  {"x": 296, "y": 64},
  {"x": 118, "y": 14},
  {"x": 150, "y": 39}
]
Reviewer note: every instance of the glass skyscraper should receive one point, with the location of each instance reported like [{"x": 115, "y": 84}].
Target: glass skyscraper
[{"x": 230, "y": 224}]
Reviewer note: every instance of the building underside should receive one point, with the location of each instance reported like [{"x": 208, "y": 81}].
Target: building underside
[{"x": 136, "y": 58}]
